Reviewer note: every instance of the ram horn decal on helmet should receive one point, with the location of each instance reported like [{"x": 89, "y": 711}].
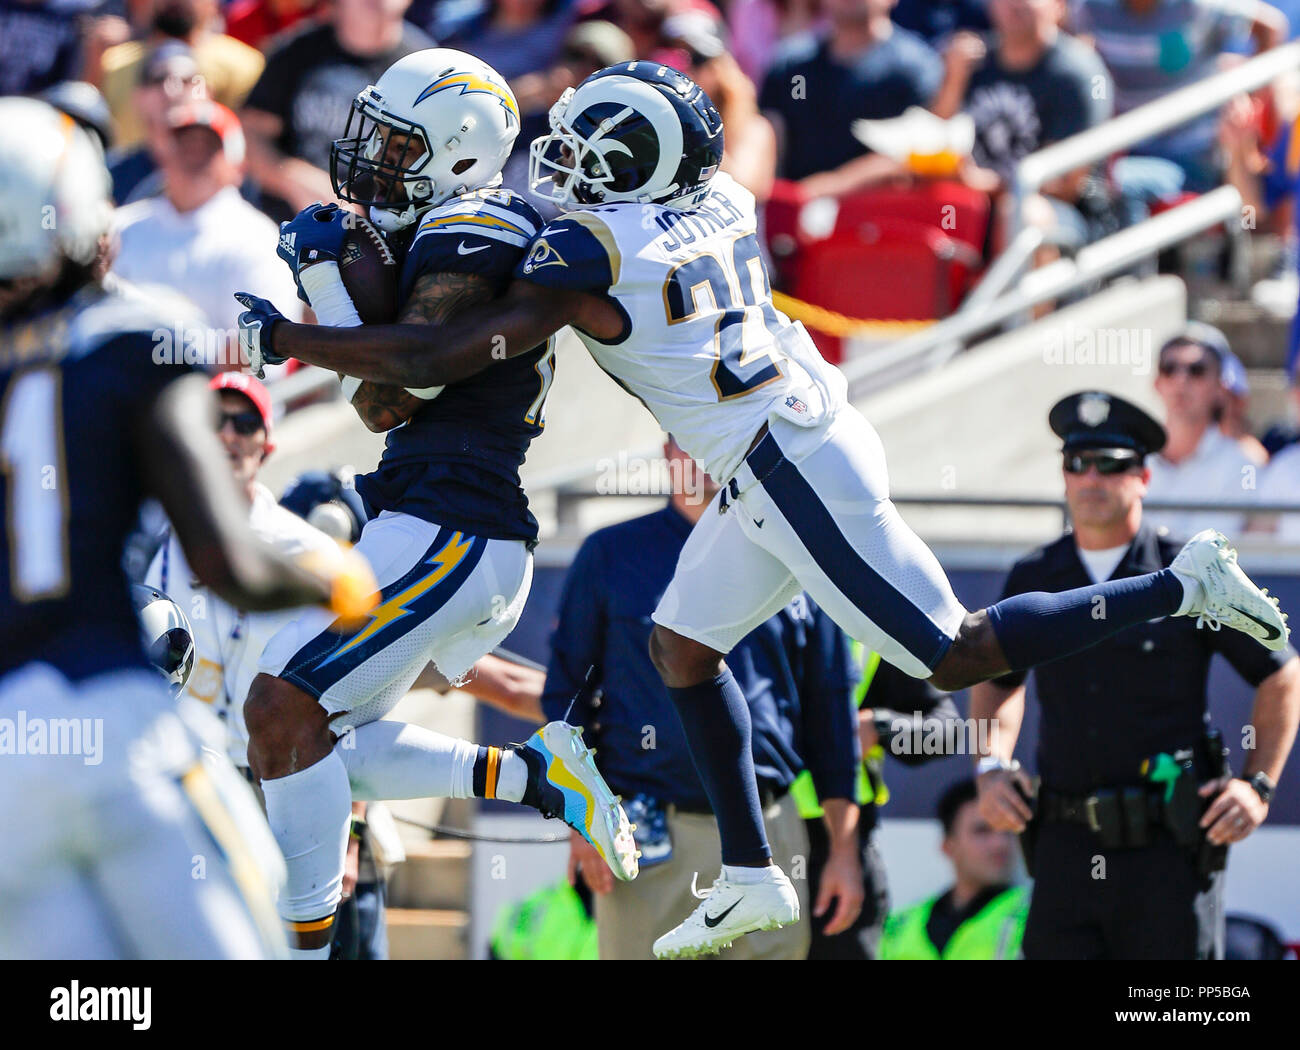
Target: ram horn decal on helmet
[{"x": 634, "y": 132}]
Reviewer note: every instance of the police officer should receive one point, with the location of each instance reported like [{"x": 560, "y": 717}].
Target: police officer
[{"x": 1128, "y": 833}]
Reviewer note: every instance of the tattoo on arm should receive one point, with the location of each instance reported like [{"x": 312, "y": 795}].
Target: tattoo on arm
[{"x": 436, "y": 297}]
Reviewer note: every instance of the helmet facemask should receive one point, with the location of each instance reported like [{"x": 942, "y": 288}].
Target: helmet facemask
[{"x": 377, "y": 164}]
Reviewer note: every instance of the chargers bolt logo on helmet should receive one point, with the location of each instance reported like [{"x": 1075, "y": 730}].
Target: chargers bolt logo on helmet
[
  {"x": 637, "y": 131},
  {"x": 468, "y": 83}
]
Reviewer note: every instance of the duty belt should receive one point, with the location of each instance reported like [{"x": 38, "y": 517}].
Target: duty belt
[{"x": 1088, "y": 809}]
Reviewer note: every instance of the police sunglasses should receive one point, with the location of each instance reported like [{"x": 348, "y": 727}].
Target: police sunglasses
[
  {"x": 246, "y": 423},
  {"x": 1107, "y": 463}
]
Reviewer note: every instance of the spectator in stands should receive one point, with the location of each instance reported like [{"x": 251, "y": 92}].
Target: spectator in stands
[
  {"x": 229, "y": 68},
  {"x": 515, "y": 37},
  {"x": 199, "y": 237},
  {"x": 301, "y": 103},
  {"x": 861, "y": 66},
  {"x": 1153, "y": 47},
  {"x": 750, "y": 142},
  {"x": 43, "y": 42},
  {"x": 1027, "y": 85},
  {"x": 758, "y": 28},
  {"x": 643, "y": 20},
  {"x": 255, "y": 22},
  {"x": 1198, "y": 463},
  {"x": 169, "y": 80},
  {"x": 983, "y": 915},
  {"x": 1268, "y": 186}
]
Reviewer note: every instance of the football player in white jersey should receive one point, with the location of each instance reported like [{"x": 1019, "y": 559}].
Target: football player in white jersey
[
  {"x": 450, "y": 535},
  {"x": 657, "y": 267}
]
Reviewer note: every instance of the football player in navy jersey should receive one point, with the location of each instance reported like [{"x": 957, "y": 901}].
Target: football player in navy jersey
[
  {"x": 106, "y": 806},
  {"x": 658, "y": 269},
  {"x": 450, "y": 534}
]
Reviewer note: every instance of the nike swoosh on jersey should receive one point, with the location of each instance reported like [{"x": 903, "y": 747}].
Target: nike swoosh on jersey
[{"x": 462, "y": 250}]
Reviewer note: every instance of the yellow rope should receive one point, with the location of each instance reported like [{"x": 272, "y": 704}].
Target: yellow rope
[{"x": 832, "y": 323}]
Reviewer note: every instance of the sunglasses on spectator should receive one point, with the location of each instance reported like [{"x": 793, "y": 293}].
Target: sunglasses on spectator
[
  {"x": 245, "y": 423},
  {"x": 1107, "y": 463},
  {"x": 1194, "y": 370}
]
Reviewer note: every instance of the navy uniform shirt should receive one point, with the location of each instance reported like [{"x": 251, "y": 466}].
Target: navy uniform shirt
[
  {"x": 1137, "y": 693},
  {"x": 73, "y": 381},
  {"x": 456, "y": 461},
  {"x": 795, "y": 670}
]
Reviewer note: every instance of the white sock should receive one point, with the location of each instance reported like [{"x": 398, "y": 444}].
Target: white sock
[
  {"x": 745, "y": 876},
  {"x": 1193, "y": 595},
  {"x": 512, "y": 777},
  {"x": 310, "y": 815},
  {"x": 309, "y": 953},
  {"x": 395, "y": 760}
]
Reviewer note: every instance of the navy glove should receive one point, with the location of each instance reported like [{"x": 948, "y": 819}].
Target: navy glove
[
  {"x": 256, "y": 324},
  {"x": 314, "y": 235}
]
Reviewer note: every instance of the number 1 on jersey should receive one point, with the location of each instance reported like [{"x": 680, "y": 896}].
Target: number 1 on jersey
[
  {"x": 36, "y": 504},
  {"x": 739, "y": 289}
]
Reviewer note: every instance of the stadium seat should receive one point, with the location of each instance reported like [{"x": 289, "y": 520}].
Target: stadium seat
[{"x": 888, "y": 254}]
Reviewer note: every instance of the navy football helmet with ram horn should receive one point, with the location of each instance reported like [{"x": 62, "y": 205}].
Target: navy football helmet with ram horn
[{"x": 634, "y": 132}]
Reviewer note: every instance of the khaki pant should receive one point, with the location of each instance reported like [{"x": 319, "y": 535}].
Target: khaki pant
[{"x": 634, "y": 914}]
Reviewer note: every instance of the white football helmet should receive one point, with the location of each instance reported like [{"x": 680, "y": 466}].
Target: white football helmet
[
  {"x": 166, "y": 635},
  {"x": 438, "y": 123},
  {"x": 54, "y": 190}
]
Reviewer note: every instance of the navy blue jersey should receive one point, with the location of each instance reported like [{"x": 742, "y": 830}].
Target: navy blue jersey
[
  {"x": 72, "y": 382},
  {"x": 456, "y": 461}
]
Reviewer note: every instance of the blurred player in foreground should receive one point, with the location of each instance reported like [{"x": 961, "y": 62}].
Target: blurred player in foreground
[
  {"x": 106, "y": 805},
  {"x": 659, "y": 270},
  {"x": 450, "y": 533}
]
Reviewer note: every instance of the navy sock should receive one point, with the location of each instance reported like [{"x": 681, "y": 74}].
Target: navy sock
[
  {"x": 1036, "y": 627},
  {"x": 716, "y": 719}
]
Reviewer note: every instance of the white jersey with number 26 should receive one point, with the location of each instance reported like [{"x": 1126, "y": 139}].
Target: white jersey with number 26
[{"x": 703, "y": 347}]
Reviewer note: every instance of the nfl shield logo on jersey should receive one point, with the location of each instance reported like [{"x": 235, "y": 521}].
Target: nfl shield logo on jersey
[{"x": 795, "y": 405}]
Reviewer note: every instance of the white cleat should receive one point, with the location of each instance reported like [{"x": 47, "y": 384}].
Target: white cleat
[
  {"x": 1228, "y": 597},
  {"x": 730, "y": 910}
]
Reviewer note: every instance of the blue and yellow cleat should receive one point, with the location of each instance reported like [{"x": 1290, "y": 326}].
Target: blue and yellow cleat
[{"x": 563, "y": 782}]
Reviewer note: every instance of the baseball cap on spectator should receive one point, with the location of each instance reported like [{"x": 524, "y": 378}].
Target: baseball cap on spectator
[
  {"x": 84, "y": 104},
  {"x": 208, "y": 114},
  {"x": 702, "y": 35},
  {"x": 253, "y": 389},
  {"x": 1206, "y": 336},
  {"x": 172, "y": 60},
  {"x": 1232, "y": 374},
  {"x": 600, "y": 43}
]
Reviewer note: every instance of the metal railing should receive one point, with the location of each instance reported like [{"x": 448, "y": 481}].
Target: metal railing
[{"x": 570, "y": 497}]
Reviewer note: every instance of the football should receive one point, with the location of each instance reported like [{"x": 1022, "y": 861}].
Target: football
[{"x": 370, "y": 267}]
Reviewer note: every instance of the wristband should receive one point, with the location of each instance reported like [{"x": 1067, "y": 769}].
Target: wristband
[
  {"x": 324, "y": 287},
  {"x": 991, "y": 762}
]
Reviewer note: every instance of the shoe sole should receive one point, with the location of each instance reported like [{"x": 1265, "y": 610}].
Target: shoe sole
[
  {"x": 713, "y": 947},
  {"x": 590, "y": 808}
]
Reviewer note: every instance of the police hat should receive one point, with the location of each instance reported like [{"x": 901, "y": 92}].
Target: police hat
[{"x": 1095, "y": 419}]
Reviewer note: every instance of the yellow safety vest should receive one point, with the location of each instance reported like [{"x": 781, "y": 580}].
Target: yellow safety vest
[
  {"x": 995, "y": 932},
  {"x": 871, "y": 783}
]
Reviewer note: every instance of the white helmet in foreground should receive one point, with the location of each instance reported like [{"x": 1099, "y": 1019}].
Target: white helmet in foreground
[
  {"x": 54, "y": 190},
  {"x": 438, "y": 123},
  {"x": 165, "y": 634}
]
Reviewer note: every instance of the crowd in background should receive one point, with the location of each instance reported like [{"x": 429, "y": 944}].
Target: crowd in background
[{"x": 217, "y": 117}]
